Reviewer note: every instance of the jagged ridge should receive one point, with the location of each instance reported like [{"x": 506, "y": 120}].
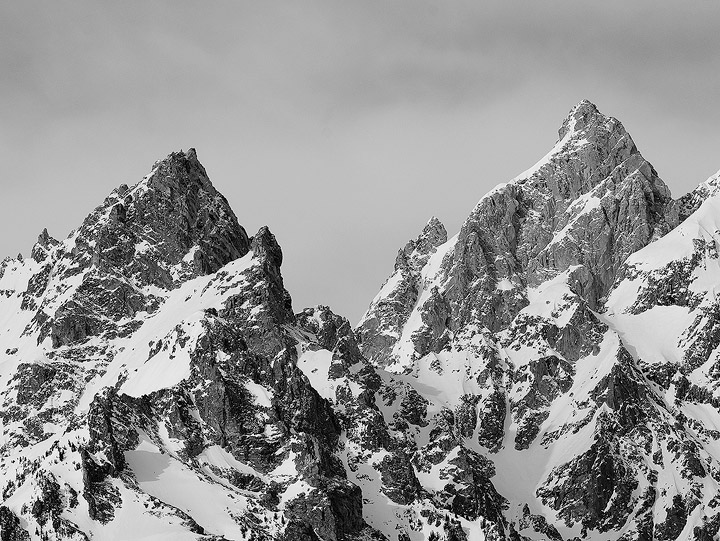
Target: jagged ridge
[
  {"x": 563, "y": 400},
  {"x": 506, "y": 383}
]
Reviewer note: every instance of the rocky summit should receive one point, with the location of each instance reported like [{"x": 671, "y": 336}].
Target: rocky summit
[{"x": 550, "y": 372}]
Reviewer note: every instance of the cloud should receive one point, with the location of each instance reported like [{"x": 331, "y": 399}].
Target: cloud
[{"x": 340, "y": 57}]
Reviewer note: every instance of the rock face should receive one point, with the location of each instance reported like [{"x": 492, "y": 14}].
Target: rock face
[
  {"x": 392, "y": 307},
  {"x": 549, "y": 373},
  {"x": 152, "y": 380},
  {"x": 530, "y": 336},
  {"x": 584, "y": 208}
]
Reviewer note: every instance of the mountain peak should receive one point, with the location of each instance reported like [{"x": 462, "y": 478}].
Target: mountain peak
[
  {"x": 584, "y": 105},
  {"x": 179, "y": 166},
  {"x": 433, "y": 235},
  {"x": 417, "y": 251},
  {"x": 509, "y": 379},
  {"x": 580, "y": 117},
  {"x": 583, "y": 208},
  {"x": 174, "y": 218},
  {"x": 434, "y": 223},
  {"x": 585, "y": 131},
  {"x": 43, "y": 245}
]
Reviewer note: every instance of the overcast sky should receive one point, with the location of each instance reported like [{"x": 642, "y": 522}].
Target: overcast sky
[{"x": 343, "y": 126}]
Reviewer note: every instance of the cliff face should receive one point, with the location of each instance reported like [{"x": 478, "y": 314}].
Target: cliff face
[
  {"x": 585, "y": 207},
  {"x": 548, "y": 373},
  {"x": 152, "y": 382},
  {"x": 531, "y": 330}
]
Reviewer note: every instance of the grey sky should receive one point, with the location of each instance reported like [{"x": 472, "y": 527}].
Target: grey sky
[{"x": 342, "y": 125}]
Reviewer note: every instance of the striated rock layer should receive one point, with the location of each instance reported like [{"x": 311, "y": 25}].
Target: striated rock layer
[{"x": 548, "y": 373}]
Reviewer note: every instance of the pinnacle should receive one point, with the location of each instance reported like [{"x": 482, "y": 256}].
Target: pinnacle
[
  {"x": 181, "y": 155},
  {"x": 181, "y": 166},
  {"x": 584, "y": 106},
  {"x": 44, "y": 239},
  {"x": 177, "y": 207},
  {"x": 433, "y": 235},
  {"x": 44, "y": 242},
  {"x": 433, "y": 223},
  {"x": 581, "y": 116}
]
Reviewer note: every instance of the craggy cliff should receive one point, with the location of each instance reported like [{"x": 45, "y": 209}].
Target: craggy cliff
[{"x": 548, "y": 373}]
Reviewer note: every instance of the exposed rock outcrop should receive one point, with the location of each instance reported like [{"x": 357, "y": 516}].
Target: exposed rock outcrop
[{"x": 550, "y": 372}]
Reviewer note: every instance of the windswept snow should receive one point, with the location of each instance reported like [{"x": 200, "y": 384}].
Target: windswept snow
[
  {"x": 315, "y": 366},
  {"x": 210, "y": 504},
  {"x": 153, "y": 356}
]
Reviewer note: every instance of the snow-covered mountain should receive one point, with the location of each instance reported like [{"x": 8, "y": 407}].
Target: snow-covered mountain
[
  {"x": 548, "y": 373},
  {"x": 569, "y": 333}
]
